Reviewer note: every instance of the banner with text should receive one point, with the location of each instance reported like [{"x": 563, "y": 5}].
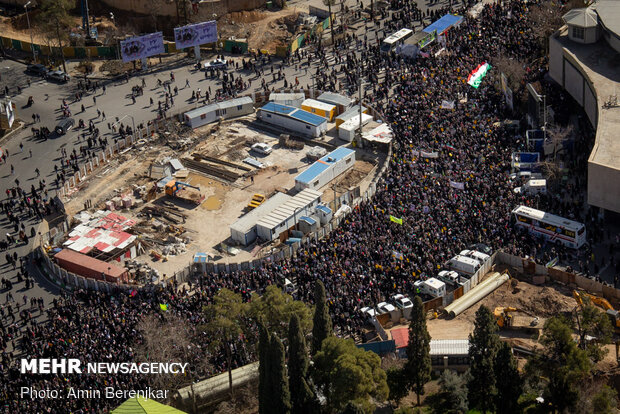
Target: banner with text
[
  {"x": 195, "y": 34},
  {"x": 140, "y": 47}
]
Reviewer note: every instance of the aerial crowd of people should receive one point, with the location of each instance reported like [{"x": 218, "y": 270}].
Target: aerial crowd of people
[{"x": 461, "y": 195}]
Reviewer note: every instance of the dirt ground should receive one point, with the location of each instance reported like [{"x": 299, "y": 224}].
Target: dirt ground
[
  {"x": 536, "y": 301},
  {"x": 263, "y": 29}
]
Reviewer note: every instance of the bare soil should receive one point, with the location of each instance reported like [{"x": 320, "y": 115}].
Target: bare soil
[{"x": 263, "y": 30}]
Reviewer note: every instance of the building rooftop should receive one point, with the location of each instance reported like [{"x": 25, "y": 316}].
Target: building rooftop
[
  {"x": 249, "y": 220},
  {"x": 288, "y": 209},
  {"x": 585, "y": 17},
  {"x": 307, "y": 117},
  {"x": 109, "y": 269},
  {"x": 609, "y": 15},
  {"x": 313, "y": 103},
  {"x": 323, "y": 163},
  {"x": 442, "y": 24},
  {"x": 278, "y": 108},
  {"x": 440, "y": 347},
  {"x": 335, "y": 98},
  {"x": 220, "y": 105}
]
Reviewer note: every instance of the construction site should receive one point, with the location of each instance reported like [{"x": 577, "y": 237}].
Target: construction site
[
  {"x": 228, "y": 191},
  {"x": 521, "y": 298}
]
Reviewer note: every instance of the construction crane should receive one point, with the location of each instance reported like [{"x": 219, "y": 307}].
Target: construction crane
[{"x": 614, "y": 315}]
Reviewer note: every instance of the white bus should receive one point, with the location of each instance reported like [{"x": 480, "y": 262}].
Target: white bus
[
  {"x": 392, "y": 41},
  {"x": 554, "y": 228}
]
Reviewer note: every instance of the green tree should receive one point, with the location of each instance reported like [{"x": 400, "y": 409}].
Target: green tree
[
  {"x": 352, "y": 408},
  {"x": 278, "y": 398},
  {"x": 322, "y": 323},
  {"x": 398, "y": 383},
  {"x": 483, "y": 345},
  {"x": 605, "y": 400},
  {"x": 562, "y": 365},
  {"x": 344, "y": 372},
  {"x": 418, "y": 366},
  {"x": 224, "y": 325},
  {"x": 509, "y": 382},
  {"x": 275, "y": 308},
  {"x": 264, "y": 340},
  {"x": 452, "y": 397},
  {"x": 54, "y": 19},
  {"x": 302, "y": 396},
  {"x": 594, "y": 329}
]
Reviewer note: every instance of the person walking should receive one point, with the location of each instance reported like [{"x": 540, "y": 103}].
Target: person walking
[
  {"x": 186, "y": 83},
  {"x": 94, "y": 100}
]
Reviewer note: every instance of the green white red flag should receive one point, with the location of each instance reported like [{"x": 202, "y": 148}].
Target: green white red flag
[{"x": 476, "y": 75}]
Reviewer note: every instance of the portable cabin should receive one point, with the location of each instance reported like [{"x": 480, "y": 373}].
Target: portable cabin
[
  {"x": 349, "y": 113},
  {"x": 347, "y": 130},
  {"x": 243, "y": 231},
  {"x": 325, "y": 169},
  {"x": 288, "y": 99},
  {"x": 319, "y": 108},
  {"x": 221, "y": 110},
  {"x": 343, "y": 103},
  {"x": 284, "y": 218},
  {"x": 292, "y": 119}
]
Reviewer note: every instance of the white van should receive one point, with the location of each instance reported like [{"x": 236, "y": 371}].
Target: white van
[
  {"x": 464, "y": 264},
  {"x": 450, "y": 277},
  {"x": 532, "y": 187},
  {"x": 289, "y": 287},
  {"x": 479, "y": 256}
]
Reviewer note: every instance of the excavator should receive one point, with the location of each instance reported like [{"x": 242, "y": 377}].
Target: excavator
[
  {"x": 505, "y": 319},
  {"x": 614, "y": 315},
  {"x": 184, "y": 191}
]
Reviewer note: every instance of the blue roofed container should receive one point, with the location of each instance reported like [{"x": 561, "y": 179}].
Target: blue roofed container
[
  {"x": 297, "y": 121},
  {"x": 325, "y": 169}
]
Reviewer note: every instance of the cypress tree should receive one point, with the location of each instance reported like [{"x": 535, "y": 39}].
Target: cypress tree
[
  {"x": 302, "y": 397},
  {"x": 483, "y": 346},
  {"x": 509, "y": 384},
  {"x": 418, "y": 366},
  {"x": 263, "y": 366},
  {"x": 322, "y": 327},
  {"x": 278, "y": 397}
]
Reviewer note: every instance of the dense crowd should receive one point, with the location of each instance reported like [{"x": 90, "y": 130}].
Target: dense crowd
[{"x": 369, "y": 257}]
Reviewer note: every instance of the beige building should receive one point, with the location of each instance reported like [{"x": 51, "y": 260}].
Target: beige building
[{"x": 583, "y": 59}]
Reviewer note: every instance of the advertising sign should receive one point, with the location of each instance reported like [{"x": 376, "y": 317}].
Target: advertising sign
[
  {"x": 140, "y": 47},
  {"x": 195, "y": 34}
]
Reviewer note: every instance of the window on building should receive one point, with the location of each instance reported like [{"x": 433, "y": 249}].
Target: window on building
[
  {"x": 307, "y": 126},
  {"x": 203, "y": 116},
  {"x": 268, "y": 115},
  {"x": 578, "y": 32},
  {"x": 316, "y": 183},
  {"x": 349, "y": 160},
  {"x": 239, "y": 107}
]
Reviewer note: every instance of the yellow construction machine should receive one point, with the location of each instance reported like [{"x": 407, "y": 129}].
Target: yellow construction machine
[
  {"x": 614, "y": 315},
  {"x": 522, "y": 322}
]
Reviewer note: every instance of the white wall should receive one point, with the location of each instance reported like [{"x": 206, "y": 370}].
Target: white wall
[{"x": 197, "y": 121}]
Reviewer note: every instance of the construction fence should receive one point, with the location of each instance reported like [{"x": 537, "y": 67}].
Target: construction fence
[
  {"x": 303, "y": 38},
  {"x": 77, "y": 52}
]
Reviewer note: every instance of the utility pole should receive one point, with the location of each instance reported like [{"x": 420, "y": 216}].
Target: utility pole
[
  {"x": 359, "y": 75},
  {"x": 34, "y": 55},
  {"x": 85, "y": 18}
]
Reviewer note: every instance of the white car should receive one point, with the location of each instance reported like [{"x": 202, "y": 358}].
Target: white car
[
  {"x": 385, "y": 307},
  {"x": 402, "y": 301},
  {"x": 216, "y": 64},
  {"x": 369, "y": 313},
  {"x": 449, "y": 276},
  {"x": 262, "y": 148},
  {"x": 480, "y": 257}
]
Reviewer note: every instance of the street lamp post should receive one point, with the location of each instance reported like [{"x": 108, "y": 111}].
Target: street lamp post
[{"x": 34, "y": 56}]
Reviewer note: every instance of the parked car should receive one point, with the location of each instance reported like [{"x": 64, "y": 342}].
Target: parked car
[
  {"x": 401, "y": 301},
  {"x": 216, "y": 64},
  {"x": 37, "y": 69},
  {"x": 368, "y": 312},
  {"x": 58, "y": 76},
  {"x": 385, "y": 307},
  {"x": 64, "y": 126},
  {"x": 449, "y": 276},
  {"x": 262, "y": 148}
]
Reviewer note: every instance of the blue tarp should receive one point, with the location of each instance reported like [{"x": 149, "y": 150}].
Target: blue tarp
[
  {"x": 443, "y": 24},
  {"x": 379, "y": 348}
]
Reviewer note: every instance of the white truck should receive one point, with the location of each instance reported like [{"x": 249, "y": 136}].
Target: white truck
[
  {"x": 532, "y": 187},
  {"x": 463, "y": 264}
]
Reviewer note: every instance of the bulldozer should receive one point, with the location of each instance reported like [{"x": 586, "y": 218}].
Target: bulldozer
[
  {"x": 614, "y": 315},
  {"x": 503, "y": 316}
]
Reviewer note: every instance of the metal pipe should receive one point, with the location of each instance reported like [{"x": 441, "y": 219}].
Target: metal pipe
[{"x": 477, "y": 293}]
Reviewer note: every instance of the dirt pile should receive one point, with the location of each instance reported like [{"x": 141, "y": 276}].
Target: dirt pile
[
  {"x": 263, "y": 30},
  {"x": 547, "y": 302}
]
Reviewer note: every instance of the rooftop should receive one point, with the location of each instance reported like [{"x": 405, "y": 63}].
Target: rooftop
[
  {"x": 313, "y": 103},
  {"x": 288, "y": 209},
  {"x": 220, "y": 105},
  {"x": 295, "y": 113},
  {"x": 585, "y": 17},
  {"x": 609, "y": 14},
  {"x": 249, "y": 220},
  {"x": 445, "y": 22},
  {"x": 109, "y": 269},
  {"x": 325, "y": 162},
  {"x": 335, "y": 98}
]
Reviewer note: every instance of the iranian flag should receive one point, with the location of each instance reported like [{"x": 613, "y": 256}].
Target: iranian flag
[{"x": 475, "y": 77}]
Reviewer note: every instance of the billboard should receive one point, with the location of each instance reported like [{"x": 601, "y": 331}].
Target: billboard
[
  {"x": 195, "y": 34},
  {"x": 140, "y": 47}
]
